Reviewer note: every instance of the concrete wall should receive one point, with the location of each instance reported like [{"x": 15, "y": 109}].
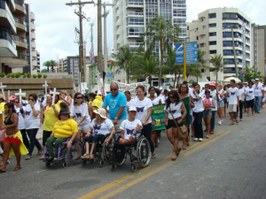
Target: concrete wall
[{"x": 32, "y": 85}]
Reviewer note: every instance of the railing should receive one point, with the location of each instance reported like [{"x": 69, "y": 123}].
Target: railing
[
  {"x": 19, "y": 2},
  {"x": 5, "y": 35}
]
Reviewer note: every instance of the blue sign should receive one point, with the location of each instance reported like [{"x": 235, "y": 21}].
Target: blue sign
[
  {"x": 179, "y": 54},
  {"x": 241, "y": 75},
  {"x": 191, "y": 53}
]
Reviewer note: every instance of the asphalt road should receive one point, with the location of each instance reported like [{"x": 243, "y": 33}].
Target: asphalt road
[{"x": 229, "y": 165}]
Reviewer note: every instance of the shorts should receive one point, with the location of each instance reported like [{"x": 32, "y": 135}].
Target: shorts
[
  {"x": 232, "y": 108},
  {"x": 207, "y": 113},
  {"x": 84, "y": 128},
  {"x": 250, "y": 103},
  {"x": 220, "y": 104},
  {"x": 12, "y": 140},
  {"x": 172, "y": 123}
]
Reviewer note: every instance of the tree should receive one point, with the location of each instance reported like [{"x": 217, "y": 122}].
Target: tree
[
  {"x": 252, "y": 73},
  {"x": 217, "y": 62},
  {"x": 144, "y": 65},
  {"x": 50, "y": 63},
  {"x": 162, "y": 32},
  {"x": 123, "y": 60}
]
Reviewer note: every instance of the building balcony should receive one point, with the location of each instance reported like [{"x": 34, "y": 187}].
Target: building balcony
[
  {"x": 15, "y": 62},
  {"x": 134, "y": 4},
  {"x": 20, "y": 42},
  {"x": 20, "y": 9},
  {"x": 6, "y": 17},
  {"x": 7, "y": 45},
  {"x": 20, "y": 25}
]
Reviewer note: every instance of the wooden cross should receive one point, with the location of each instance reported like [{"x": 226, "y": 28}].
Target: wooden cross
[
  {"x": 45, "y": 85},
  {"x": 54, "y": 93},
  {"x": 8, "y": 94},
  {"x": 3, "y": 89},
  {"x": 20, "y": 94}
]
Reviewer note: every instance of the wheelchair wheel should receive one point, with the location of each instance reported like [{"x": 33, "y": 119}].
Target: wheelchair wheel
[
  {"x": 64, "y": 164},
  {"x": 143, "y": 152},
  {"x": 120, "y": 156}
]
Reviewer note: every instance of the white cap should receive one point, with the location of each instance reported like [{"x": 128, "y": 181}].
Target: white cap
[
  {"x": 257, "y": 79},
  {"x": 132, "y": 108}
]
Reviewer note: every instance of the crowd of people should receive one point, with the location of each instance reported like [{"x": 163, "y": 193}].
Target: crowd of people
[{"x": 190, "y": 111}]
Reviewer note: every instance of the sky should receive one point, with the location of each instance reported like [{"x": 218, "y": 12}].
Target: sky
[{"x": 55, "y": 23}]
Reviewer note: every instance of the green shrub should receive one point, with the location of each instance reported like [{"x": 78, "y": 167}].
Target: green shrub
[
  {"x": 44, "y": 76},
  {"x": 34, "y": 75},
  {"x": 2, "y": 74},
  {"x": 39, "y": 75}
]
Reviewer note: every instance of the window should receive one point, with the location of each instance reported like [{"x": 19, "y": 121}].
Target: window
[
  {"x": 227, "y": 43},
  {"x": 212, "y": 34},
  {"x": 212, "y": 43},
  {"x": 229, "y": 16},
  {"x": 212, "y": 15},
  {"x": 213, "y": 51},
  {"x": 212, "y": 25}
]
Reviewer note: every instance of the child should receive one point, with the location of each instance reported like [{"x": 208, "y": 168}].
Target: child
[
  {"x": 207, "y": 114},
  {"x": 130, "y": 127}
]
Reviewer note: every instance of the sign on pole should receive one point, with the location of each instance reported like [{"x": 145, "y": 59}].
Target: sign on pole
[{"x": 191, "y": 53}]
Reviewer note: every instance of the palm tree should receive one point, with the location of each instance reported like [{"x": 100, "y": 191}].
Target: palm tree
[
  {"x": 123, "y": 59},
  {"x": 162, "y": 32},
  {"x": 217, "y": 62},
  {"x": 144, "y": 65},
  {"x": 50, "y": 63}
]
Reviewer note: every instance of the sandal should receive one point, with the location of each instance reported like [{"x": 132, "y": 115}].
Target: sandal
[
  {"x": 17, "y": 168},
  {"x": 177, "y": 152},
  {"x": 173, "y": 157},
  {"x": 153, "y": 155},
  {"x": 2, "y": 170},
  {"x": 91, "y": 156},
  {"x": 85, "y": 156}
]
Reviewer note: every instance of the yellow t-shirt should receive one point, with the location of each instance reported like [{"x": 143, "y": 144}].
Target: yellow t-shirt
[
  {"x": 65, "y": 129},
  {"x": 2, "y": 109},
  {"x": 50, "y": 118}
]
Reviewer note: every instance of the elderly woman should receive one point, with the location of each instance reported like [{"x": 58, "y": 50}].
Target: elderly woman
[{"x": 64, "y": 128}]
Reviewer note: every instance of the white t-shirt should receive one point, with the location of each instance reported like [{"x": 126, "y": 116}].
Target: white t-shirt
[
  {"x": 258, "y": 90},
  {"x": 198, "y": 103},
  {"x": 142, "y": 107},
  {"x": 220, "y": 97},
  {"x": 232, "y": 95},
  {"x": 214, "y": 99},
  {"x": 21, "y": 121},
  {"x": 250, "y": 94},
  {"x": 103, "y": 128},
  {"x": 174, "y": 110},
  {"x": 32, "y": 122},
  {"x": 129, "y": 103},
  {"x": 129, "y": 127},
  {"x": 241, "y": 95},
  {"x": 82, "y": 110}
]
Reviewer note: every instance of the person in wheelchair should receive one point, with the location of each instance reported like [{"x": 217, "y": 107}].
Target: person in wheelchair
[
  {"x": 65, "y": 128},
  {"x": 101, "y": 129},
  {"x": 130, "y": 127}
]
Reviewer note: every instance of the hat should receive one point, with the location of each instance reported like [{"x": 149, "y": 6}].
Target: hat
[
  {"x": 63, "y": 91},
  {"x": 12, "y": 98},
  {"x": 132, "y": 108},
  {"x": 1, "y": 96},
  {"x": 245, "y": 83},
  {"x": 257, "y": 79},
  {"x": 212, "y": 84},
  {"x": 64, "y": 112},
  {"x": 101, "y": 112}
]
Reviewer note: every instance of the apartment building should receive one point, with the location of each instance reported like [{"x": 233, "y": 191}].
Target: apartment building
[
  {"x": 130, "y": 18},
  {"x": 224, "y": 31},
  {"x": 259, "y": 48},
  {"x": 17, "y": 38}
]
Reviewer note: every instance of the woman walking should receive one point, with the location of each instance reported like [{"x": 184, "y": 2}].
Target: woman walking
[{"x": 175, "y": 113}]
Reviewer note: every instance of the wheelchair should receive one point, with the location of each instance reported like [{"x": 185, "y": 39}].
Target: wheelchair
[
  {"x": 65, "y": 156},
  {"x": 102, "y": 152},
  {"x": 139, "y": 153}
]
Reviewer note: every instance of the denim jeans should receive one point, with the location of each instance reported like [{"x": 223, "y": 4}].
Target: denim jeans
[
  {"x": 257, "y": 104},
  {"x": 33, "y": 141},
  {"x": 213, "y": 120}
]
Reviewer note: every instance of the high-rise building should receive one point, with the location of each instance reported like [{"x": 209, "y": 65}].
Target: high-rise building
[
  {"x": 224, "y": 31},
  {"x": 33, "y": 66},
  {"x": 17, "y": 38},
  {"x": 259, "y": 48},
  {"x": 130, "y": 18}
]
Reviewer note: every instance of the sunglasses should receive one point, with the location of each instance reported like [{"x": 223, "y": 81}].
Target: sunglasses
[
  {"x": 79, "y": 97},
  {"x": 171, "y": 97},
  {"x": 31, "y": 99},
  {"x": 113, "y": 89}
]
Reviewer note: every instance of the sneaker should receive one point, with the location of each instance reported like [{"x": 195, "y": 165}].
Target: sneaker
[
  {"x": 200, "y": 139},
  {"x": 220, "y": 122},
  {"x": 28, "y": 157},
  {"x": 196, "y": 139}
]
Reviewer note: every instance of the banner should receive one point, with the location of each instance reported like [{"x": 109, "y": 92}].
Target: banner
[{"x": 158, "y": 117}]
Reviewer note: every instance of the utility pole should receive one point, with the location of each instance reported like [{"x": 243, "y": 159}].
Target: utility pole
[
  {"x": 82, "y": 56},
  {"x": 100, "y": 50}
]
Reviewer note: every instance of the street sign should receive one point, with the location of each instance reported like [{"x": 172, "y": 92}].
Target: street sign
[
  {"x": 191, "y": 53},
  {"x": 179, "y": 54}
]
